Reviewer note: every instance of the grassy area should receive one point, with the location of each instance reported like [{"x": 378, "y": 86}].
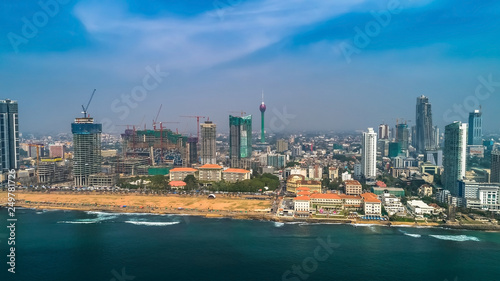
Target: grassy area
[{"x": 401, "y": 219}]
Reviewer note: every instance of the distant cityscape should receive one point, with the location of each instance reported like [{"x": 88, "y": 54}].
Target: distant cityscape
[{"x": 415, "y": 172}]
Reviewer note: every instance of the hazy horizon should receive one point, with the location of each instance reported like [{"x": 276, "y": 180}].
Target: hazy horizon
[{"x": 323, "y": 66}]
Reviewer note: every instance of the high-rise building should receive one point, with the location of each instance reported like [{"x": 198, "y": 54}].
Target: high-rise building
[
  {"x": 281, "y": 145},
  {"x": 383, "y": 131},
  {"x": 87, "y": 149},
  {"x": 455, "y": 154},
  {"x": 192, "y": 151},
  {"x": 436, "y": 137},
  {"x": 495, "y": 166},
  {"x": 394, "y": 149},
  {"x": 402, "y": 136},
  {"x": 240, "y": 141},
  {"x": 262, "y": 109},
  {"x": 475, "y": 136},
  {"x": 56, "y": 151},
  {"x": 423, "y": 127},
  {"x": 9, "y": 135},
  {"x": 369, "y": 154},
  {"x": 383, "y": 147},
  {"x": 208, "y": 148}
]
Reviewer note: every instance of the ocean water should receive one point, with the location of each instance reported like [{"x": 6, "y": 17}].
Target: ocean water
[{"x": 74, "y": 245}]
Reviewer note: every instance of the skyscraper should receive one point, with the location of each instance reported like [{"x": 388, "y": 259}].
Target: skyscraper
[
  {"x": 369, "y": 154},
  {"x": 262, "y": 109},
  {"x": 383, "y": 131},
  {"x": 455, "y": 154},
  {"x": 281, "y": 145},
  {"x": 495, "y": 166},
  {"x": 192, "y": 150},
  {"x": 402, "y": 136},
  {"x": 424, "y": 132},
  {"x": 87, "y": 149},
  {"x": 436, "y": 137},
  {"x": 240, "y": 141},
  {"x": 475, "y": 136},
  {"x": 9, "y": 135},
  {"x": 208, "y": 148}
]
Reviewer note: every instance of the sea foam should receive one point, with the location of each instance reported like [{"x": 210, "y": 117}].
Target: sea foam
[
  {"x": 152, "y": 223},
  {"x": 458, "y": 238}
]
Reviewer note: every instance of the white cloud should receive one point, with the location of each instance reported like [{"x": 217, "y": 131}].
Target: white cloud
[{"x": 206, "y": 40}]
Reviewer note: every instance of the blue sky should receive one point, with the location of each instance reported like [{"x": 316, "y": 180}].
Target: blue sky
[{"x": 220, "y": 55}]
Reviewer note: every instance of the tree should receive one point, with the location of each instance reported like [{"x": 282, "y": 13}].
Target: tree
[
  {"x": 191, "y": 182},
  {"x": 158, "y": 182}
]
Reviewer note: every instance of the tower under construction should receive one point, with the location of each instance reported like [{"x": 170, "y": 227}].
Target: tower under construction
[
  {"x": 208, "y": 147},
  {"x": 240, "y": 141},
  {"x": 87, "y": 149}
]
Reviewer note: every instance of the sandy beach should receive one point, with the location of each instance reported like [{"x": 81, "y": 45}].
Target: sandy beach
[
  {"x": 233, "y": 207},
  {"x": 197, "y": 205}
]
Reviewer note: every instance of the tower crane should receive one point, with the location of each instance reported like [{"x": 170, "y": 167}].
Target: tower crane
[
  {"x": 197, "y": 123},
  {"x": 85, "y": 108}
]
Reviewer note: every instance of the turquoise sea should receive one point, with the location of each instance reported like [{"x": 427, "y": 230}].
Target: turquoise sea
[{"x": 74, "y": 245}]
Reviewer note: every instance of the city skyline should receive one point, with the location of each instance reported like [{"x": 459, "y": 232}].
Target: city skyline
[{"x": 425, "y": 49}]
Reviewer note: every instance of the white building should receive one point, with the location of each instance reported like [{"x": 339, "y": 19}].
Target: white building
[
  {"x": 419, "y": 208},
  {"x": 369, "y": 154},
  {"x": 346, "y": 176},
  {"x": 489, "y": 198},
  {"x": 371, "y": 204},
  {"x": 301, "y": 205},
  {"x": 392, "y": 204}
]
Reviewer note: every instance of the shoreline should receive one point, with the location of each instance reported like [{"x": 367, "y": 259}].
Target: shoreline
[
  {"x": 272, "y": 218},
  {"x": 223, "y": 207}
]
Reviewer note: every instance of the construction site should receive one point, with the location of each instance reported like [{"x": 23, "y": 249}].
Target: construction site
[{"x": 146, "y": 150}]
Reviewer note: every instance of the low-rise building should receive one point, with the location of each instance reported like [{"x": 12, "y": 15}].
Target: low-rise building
[
  {"x": 333, "y": 173},
  {"x": 177, "y": 184},
  {"x": 295, "y": 181},
  {"x": 179, "y": 174},
  {"x": 419, "y": 208},
  {"x": 102, "y": 179},
  {"x": 392, "y": 204},
  {"x": 352, "y": 187},
  {"x": 209, "y": 173},
  {"x": 371, "y": 204},
  {"x": 234, "y": 175},
  {"x": 326, "y": 202},
  {"x": 301, "y": 206},
  {"x": 425, "y": 190},
  {"x": 352, "y": 202},
  {"x": 396, "y": 191}
]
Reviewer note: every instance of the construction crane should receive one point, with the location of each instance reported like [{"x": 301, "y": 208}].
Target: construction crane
[
  {"x": 37, "y": 157},
  {"x": 240, "y": 112},
  {"x": 197, "y": 123},
  {"x": 87, "y": 107},
  {"x": 156, "y": 119}
]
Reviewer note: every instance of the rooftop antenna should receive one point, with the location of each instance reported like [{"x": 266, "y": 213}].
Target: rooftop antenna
[{"x": 87, "y": 107}]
